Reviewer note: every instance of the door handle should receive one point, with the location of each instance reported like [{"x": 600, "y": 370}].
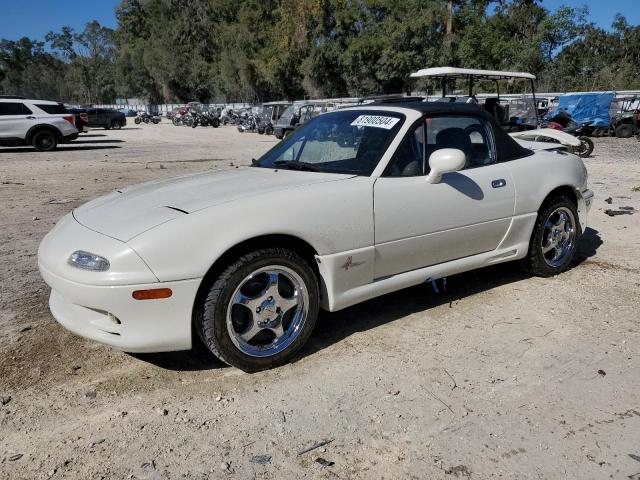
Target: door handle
[
  {"x": 30, "y": 117},
  {"x": 500, "y": 182}
]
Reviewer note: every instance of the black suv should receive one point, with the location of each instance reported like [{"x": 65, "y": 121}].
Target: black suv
[{"x": 106, "y": 118}]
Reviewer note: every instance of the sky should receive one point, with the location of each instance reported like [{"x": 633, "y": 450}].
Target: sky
[
  {"x": 601, "y": 12},
  {"x": 34, "y": 18}
]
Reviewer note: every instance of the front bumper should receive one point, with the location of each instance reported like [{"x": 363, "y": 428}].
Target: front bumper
[
  {"x": 100, "y": 306},
  {"x": 111, "y": 316},
  {"x": 69, "y": 138}
]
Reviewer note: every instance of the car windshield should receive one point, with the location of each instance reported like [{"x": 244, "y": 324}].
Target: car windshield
[{"x": 345, "y": 141}]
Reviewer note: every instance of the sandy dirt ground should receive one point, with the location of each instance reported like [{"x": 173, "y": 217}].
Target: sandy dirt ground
[{"x": 502, "y": 375}]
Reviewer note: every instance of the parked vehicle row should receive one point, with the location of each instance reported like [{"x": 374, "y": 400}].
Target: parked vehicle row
[
  {"x": 40, "y": 123},
  {"x": 195, "y": 115},
  {"x": 44, "y": 124},
  {"x": 601, "y": 113}
]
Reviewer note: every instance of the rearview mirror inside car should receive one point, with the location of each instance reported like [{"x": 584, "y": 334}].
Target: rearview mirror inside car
[{"x": 444, "y": 161}]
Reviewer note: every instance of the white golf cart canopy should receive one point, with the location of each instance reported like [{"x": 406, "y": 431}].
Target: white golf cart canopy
[
  {"x": 513, "y": 113},
  {"x": 453, "y": 72}
]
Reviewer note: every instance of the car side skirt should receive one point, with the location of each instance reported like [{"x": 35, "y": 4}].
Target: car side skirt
[{"x": 348, "y": 277}]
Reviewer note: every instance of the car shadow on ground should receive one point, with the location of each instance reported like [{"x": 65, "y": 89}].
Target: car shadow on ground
[
  {"x": 65, "y": 148},
  {"x": 109, "y": 140},
  {"x": 196, "y": 359},
  {"x": 93, "y": 135},
  {"x": 334, "y": 327}
]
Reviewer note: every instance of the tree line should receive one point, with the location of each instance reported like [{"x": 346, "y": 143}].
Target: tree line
[{"x": 258, "y": 50}]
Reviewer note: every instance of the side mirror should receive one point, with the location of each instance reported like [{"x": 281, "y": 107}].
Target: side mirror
[{"x": 444, "y": 161}]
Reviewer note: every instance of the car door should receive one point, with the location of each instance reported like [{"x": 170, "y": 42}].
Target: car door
[
  {"x": 418, "y": 224},
  {"x": 103, "y": 117},
  {"x": 15, "y": 120},
  {"x": 92, "y": 114}
]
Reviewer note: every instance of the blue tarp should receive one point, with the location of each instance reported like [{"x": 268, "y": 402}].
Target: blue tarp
[{"x": 588, "y": 107}]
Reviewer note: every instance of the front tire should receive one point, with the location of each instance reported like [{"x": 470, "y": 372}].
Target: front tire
[
  {"x": 116, "y": 125},
  {"x": 44, "y": 141},
  {"x": 555, "y": 237},
  {"x": 261, "y": 310},
  {"x": 586, "y": 147}
]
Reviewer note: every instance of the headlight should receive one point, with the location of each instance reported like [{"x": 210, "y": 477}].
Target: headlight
[{"x": 88, "y": 261}]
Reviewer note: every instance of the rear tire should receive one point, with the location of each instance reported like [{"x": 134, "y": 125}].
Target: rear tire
[
  {"x": 260, "y": 311},
  {"x": 136, "y": 120},
  {"x": 624, "y": 131},
  {"x": 116, "y": 125},
  {"x": 555, "y": 237},
  {"x": 44, "y": 140}
]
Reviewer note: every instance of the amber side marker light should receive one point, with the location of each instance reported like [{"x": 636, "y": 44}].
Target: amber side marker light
[{"x": 152, "y": 294}]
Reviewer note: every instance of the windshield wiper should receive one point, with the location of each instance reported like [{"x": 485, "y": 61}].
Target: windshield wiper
[{"x": 292, "y": 165}]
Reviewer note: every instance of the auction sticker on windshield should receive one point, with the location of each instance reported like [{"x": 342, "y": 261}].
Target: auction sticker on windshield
[{"x": 377, "y": 121}]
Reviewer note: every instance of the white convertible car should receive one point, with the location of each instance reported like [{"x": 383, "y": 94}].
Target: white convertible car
[{"x": 356, "y": 203}]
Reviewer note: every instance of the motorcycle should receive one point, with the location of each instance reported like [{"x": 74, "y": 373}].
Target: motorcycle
[
  {"x": 229, "y": 117},
  {"x": 206, "y": 119},
  {"x": 255, "y": 123},
  {"x": 563, "y": 122},
  {"x": 144, "y": 117}
]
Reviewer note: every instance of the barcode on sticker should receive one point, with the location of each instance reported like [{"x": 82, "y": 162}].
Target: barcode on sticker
[{"x": 377, "y": 121}]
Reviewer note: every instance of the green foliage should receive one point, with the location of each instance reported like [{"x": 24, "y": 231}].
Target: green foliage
[
  {"x": 26, "y": 69},
  {"x": 256, "y": 50}
]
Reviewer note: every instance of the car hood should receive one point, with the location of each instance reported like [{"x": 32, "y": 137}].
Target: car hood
[{"x": 128, "y": 212}]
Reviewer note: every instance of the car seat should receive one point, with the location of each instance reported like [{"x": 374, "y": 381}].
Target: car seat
[{"x": 455, "y": 138}]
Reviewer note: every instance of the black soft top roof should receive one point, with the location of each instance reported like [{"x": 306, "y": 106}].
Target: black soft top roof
[{"x": 506, "y": 147}]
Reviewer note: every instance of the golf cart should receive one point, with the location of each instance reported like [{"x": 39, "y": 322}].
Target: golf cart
[
  {"x": 516, "y": 113},
  {"x": 626, "y": 122},
  {"x": 513, "y": 112},
  {"x": 298, "y": 113},
  {"x": 271, "y": 113}
]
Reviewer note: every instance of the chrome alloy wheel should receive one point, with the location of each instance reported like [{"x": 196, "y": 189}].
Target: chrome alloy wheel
[
  {"x": 558, "y": 237},
  {"x": 267, "y": 311}
]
